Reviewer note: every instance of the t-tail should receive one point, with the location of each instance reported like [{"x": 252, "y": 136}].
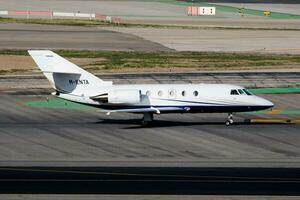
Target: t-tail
[{"x": 64, "y": 76}]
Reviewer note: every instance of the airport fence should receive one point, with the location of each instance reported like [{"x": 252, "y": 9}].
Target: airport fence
[{"x": 52, "y": 14}]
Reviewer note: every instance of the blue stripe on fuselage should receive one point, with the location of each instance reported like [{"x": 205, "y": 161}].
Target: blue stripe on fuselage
[{"x": 192, "y": 109}]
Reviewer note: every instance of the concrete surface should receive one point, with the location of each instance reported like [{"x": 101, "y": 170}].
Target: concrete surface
[
  {"x": 155, "y": 12},
  {"x": 28, "y": 36},
  {"x": 126, "y": 10},
  {"x": 253, "y": 22},
  {"x": 262, "y": 41},
  {"x": 115, "y": 8}
]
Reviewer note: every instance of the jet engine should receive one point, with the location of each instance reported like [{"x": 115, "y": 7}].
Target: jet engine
[{"x": 130, "y": 96}]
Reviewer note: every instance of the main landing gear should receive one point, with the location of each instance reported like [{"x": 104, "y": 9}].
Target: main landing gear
[
  {"x": 148, "y": 117},
  {"x": 229, "y": 120}
]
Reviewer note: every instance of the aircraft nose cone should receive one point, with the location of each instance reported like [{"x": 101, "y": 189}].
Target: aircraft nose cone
[
  {"x": 267, "y": 103},
  {"x": 262, "y": 104}
]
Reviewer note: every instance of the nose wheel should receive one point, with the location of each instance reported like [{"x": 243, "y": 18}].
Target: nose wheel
[{"x": 229, "y": 120}]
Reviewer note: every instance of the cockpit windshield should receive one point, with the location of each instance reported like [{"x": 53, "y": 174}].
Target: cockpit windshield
[
  {"x": 240, "y": 92},
  {"x": 247, "y": 92},
  {"x": 234, "y": 92}
]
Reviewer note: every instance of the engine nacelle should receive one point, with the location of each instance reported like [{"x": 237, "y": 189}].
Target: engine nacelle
[{"x": 124, "y": 96}]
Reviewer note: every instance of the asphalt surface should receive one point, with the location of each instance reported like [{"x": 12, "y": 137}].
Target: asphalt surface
[
  {"x": 124, "y": 180},
  {"x": 141, "y": 197},
  {"x": 57, "y": 137},
  {"x": 220, "y": 40},
  {"x": 29, "y": 36},
  {"x": 177, "y": 154},
  {"x": 23, "y": 83}
]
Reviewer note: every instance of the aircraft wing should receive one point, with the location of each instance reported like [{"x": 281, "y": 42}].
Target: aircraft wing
[{"x": 150, "y": 109}]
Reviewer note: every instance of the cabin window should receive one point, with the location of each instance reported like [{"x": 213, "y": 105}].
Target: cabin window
[
  {"x": 195, "y": 93},
  {"x": 183, "y": 93},
  {"x": 172, "y": 93},
  {"x": 148, "y": 93},
  {"x": 234, "y": 92},
  {"x": 160, "y": 93}
]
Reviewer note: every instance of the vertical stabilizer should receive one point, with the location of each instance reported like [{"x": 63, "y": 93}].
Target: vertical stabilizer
[{"x": 63, "y": 75}]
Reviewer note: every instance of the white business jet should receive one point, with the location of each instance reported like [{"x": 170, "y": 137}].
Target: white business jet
[{"x": 77, "y": 85}]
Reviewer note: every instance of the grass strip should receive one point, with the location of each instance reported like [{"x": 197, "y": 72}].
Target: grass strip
[
  {"x": 98, "y": 23},
  {"x": 65, "y": 22},
  {"x": 156, "y": 61}
]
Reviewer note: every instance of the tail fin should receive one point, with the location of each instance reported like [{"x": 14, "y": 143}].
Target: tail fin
[{"x": 63, "y": 75}]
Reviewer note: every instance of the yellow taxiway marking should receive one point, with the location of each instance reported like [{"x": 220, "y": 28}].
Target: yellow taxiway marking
[
  {"x": 274, "y": 111},
  {"x": 296, "y": 121},
  {"x": 276, "y": 121}
]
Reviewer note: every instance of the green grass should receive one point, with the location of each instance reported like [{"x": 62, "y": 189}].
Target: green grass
[
  {"x": 83, "y": 22},
  {"x": 66, "y": 22},
  {"x": 92, "y": 23},
  {"x": 112, "y": 60}
]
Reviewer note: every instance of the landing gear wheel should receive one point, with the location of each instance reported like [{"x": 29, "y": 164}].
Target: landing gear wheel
[
  {"x": 148, "y": 117},
  {"x": 228, "y": 123},
  {"x": 144, "y": 123},
  {"x": 229, "y": 120}
]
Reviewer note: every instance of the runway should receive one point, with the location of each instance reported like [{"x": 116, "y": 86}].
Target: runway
[{"x": 159, "y": 181}]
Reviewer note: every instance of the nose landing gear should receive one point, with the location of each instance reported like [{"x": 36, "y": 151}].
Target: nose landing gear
[{"x": 229, "y": 120}]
